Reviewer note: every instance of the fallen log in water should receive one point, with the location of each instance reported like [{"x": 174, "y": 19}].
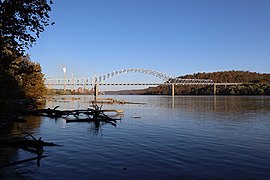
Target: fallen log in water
[
  {"x": 63, "y": 113},
  {"x": 93, "y": 114}
]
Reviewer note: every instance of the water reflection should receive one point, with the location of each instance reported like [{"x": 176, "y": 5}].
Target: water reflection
[
  {"x": 173, "y": 102},
  {"x": 96, "y": 128},
  {"x": 11, "y": 154},
  {"x": 237, "y": 106}
]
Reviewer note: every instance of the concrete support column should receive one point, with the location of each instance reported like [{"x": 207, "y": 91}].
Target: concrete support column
[
  {"x": 84, "y": 85},
  {"x": 73, "y": 83},
  {"x": 172, "y": 89},
  {"x": 215, "y": 89},
  {"x": 96, "y": 91},
  {"x": 65, "y": 82}
]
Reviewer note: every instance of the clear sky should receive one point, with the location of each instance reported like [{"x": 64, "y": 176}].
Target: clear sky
[{"x": 176, "y": 37}]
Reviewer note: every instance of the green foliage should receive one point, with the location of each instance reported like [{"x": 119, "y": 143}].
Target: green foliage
[
  {"x": 53, "y": 92},
  {"x": 21, "y": 22}
]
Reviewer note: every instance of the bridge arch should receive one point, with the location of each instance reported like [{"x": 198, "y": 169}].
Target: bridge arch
[{"x": 164, "y": 77}]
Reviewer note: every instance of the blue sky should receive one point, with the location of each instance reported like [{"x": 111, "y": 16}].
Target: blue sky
[{"x": 176, "y": 37}]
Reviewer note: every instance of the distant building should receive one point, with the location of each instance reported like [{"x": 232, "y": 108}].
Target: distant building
[{"x": 82, "y": 90}]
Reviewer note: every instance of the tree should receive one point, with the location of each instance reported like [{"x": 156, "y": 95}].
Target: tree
[
  {"x": 23, "y": 80},
  {"x": 29, "y": 76},
  {"x": 21, "y": 22}
]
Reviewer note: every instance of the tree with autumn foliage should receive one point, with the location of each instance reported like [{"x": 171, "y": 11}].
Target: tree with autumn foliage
[
  {"x": 29, "y": 77},
  {"x": 21, "y": 22},
  {"x": 252, "y": 83}
]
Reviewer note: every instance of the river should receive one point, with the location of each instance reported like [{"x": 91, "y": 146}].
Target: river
[{"x": 185, "y": 137}]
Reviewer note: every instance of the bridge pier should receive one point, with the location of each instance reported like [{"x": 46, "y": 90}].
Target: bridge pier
[
  {"x": 214, "y": 89},
  {"x": 172, "y": 89},
  {"x": 95, "y": 92}
]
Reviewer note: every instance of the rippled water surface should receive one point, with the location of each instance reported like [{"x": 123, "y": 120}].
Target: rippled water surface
[{"x": 185, "y": 137}]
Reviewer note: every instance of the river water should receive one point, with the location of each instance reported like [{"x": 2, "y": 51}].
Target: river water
[{"x": 185, "y": 137}]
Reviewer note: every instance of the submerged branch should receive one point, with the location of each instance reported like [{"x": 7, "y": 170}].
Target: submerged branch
[
  {"x": 33, "y": 145},
  {"x": 23, "y": 161}
]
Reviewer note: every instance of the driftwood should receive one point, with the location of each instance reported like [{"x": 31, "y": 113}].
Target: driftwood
[{"x": 94, "y": 114}]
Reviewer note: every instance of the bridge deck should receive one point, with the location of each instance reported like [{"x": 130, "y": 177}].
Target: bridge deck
[
  {"x": 138, "y": 84},
  {"x": 123, "y": 84}
]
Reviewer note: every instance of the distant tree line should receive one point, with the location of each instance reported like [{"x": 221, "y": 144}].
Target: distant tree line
[
  {"x": 52, "y": 92},
  {"x": 253, "y": 84},
  {"x": 232, "y": 77}
]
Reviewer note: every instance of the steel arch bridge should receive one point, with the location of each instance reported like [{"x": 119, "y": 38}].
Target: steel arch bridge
[
  {"x": 98, "y": 80},
  {"x": 101, "y": 78},
  {"x": 160, "y": 75},
  {"x": 164, "y": 77}
]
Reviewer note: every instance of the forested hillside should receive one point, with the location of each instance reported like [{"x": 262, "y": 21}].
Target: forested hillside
[
  {"x": 232, "y": 76},
  {"x": 253, "y": 84}
]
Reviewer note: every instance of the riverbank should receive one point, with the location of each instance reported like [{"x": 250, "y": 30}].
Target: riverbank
[{"x": 12, "y": 110}]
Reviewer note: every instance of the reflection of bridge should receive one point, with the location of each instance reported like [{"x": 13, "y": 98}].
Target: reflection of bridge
[{"x": 99, "y": 80}]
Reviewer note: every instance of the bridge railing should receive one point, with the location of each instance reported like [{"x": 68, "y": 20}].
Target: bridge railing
[{"x": 190, "y": 81}]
